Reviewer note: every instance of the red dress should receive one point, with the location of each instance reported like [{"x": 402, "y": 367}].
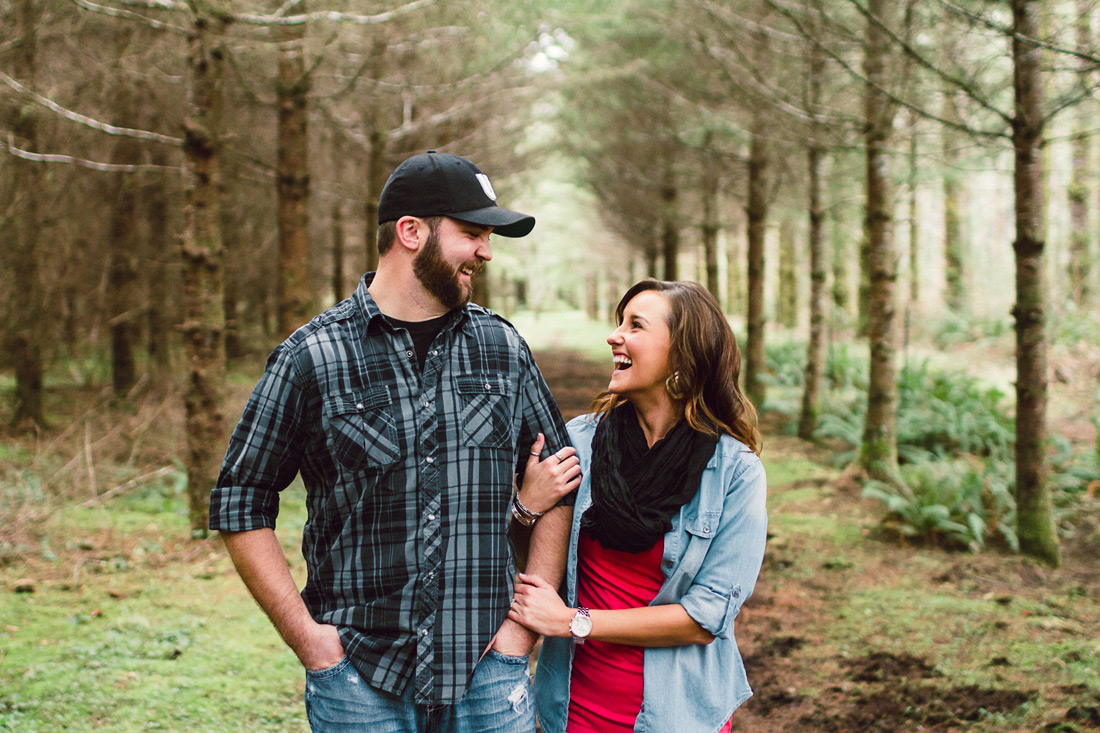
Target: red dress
[{"x": 607, "y": 682}]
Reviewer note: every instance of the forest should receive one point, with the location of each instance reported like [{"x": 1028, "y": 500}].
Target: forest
[{"x": 896, "y": 203}]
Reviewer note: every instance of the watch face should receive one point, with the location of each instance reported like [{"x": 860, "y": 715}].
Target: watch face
[{"x": 581, "y": 626}]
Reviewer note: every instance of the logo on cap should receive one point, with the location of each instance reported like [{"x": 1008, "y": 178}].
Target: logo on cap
[{"x": 486, "y": 186}]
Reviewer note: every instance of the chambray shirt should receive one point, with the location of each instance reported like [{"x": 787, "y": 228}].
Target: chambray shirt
[
  {"x": 408, "y": 478},
  {"x": 711, "y": 559}
]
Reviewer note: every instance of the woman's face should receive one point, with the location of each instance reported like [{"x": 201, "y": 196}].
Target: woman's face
[{"x": 640, "y": 347}]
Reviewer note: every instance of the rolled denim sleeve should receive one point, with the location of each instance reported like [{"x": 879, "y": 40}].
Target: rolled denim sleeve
[
  {"x": 264, "y": 451},
  {"x": 728, "y": 573}
]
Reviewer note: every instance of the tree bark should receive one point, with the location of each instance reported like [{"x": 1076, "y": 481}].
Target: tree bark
[
  {"x": 954, "y": 244},
  {"x": 815, "y": 348},
  {"x": 376, "y": 162},
  {"x": 337, "y": 251},
  {"x": 203, "y": 266},
  {"x": 1034, "y": 512},
  {"x": 710, "y": 216},
  {"x": 670, "y": 224},
  {"x": 24, "y": 332},
  {"x": 1080, "y": 259},
  {"x": 788, "y": 275},
  {"x": 757, "y": 214},
  {"x": 155, "y": 206},
  {"x": 292, "y": 90},
  {"x": 879, "y": 452},
  {"x": 914, "y": 212},
  {"x": 122, "y": 278},
  {"x": 842, "y": 253}
]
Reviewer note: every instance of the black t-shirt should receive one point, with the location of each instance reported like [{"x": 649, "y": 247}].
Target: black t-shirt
[{"x": 423, "y": 333}]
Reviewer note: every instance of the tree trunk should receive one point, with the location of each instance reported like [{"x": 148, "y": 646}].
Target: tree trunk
[
  {"x": 879, "y": 452},
  {"x": 710, "y": 216},
  {"x": 376, "y": 162},
  {"x": 670, "y": 224},
  {"x": 481, "y": 294},
  {"x": 292, "y": 90},
  {"x": 1034, "y": 512},
  {"x": 757, "y": 213},
  {"x": 155, "y": 205},
  {"x": 842, "y": 254},
  {"x": 203, "y": 267},
  {"x": 954, "y": 245},
  {"x": 337, "y": 251},
  {"x": 1080, "y": 260},
  {"x": 914, "y": 213},
  {"x": 24, "y": 332},
  {"x": 788, "y": 275},
  {"x": 815, "y": 348},
  {"x": 122, "y": 278}
]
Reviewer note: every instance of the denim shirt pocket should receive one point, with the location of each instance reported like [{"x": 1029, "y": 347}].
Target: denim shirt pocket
[
  {"x": 484, "y": 410},
  {"x": 360, "y": 429}
]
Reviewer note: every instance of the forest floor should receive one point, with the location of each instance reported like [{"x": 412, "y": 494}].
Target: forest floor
[{"x": 111, "y": 618}]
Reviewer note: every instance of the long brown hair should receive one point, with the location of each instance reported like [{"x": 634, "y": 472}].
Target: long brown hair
[{"x": 704, "y": 357}]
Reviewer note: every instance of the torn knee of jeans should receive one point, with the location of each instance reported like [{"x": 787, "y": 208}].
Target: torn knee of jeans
[{"x": 520, "y": 698}]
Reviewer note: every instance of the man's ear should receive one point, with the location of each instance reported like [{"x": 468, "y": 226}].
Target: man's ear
[{"x": 408, "y": 232}]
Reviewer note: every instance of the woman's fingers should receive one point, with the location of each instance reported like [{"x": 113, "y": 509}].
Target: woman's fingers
[
  {"x": 536, "y": 449},
  {"x": 532, "y": 580}
]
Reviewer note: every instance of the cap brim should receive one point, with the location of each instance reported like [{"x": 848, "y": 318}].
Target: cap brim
[{"x": 505, "y": 222}]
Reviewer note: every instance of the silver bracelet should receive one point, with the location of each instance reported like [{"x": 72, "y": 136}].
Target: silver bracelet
[{"x": 525, "y": 516}]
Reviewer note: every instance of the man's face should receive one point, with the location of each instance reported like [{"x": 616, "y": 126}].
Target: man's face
[{"x": 454, "y": 252}]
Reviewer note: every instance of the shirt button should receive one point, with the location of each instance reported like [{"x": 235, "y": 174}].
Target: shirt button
[
  {"x": 423, "y": 632},
  {"x": 431, "y": 517},
  {"x": 358, "y": 405},
  {"x": 429, "y": 459},
  {"x": 435, "y": 353},
  {"x": 409, "y": 353},
  {"x": 488, "y": 386}
]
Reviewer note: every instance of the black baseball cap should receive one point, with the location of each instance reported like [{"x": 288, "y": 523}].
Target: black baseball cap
[{"x": 442, "y": 184}]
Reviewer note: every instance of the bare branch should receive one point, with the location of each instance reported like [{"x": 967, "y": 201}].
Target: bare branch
[
  {"x": 859, "y": 76},
  {"x": 129, "y": 15},
  {"x": 912, "y": 53},
  {"x": 95, "y": 165},
  {"x": 1008, "y": 32},
  {"x": 331, "y": 15},
  {"x": 88, "y": 121}
]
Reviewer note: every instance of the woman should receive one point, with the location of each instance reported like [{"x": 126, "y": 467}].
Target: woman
[{"x": 668, "y": 532}]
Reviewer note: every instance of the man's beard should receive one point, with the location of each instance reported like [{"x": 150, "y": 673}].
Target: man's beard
[{"x": 438, "y": 277}]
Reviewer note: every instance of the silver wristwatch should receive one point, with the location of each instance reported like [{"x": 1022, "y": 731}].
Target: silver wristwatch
[{"x": 581, "y": 625}]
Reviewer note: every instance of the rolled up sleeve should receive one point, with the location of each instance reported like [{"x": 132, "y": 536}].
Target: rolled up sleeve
[
  {"x": 264, "y": 451},
  {"x": 728, "y": 573}
]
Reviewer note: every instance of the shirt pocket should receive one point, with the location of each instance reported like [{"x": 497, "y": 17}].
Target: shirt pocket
[
  {"x": 484, "y": 412},
  {"x": 361, "y": 430}
]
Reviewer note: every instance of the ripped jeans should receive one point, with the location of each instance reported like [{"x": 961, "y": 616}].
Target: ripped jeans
[{"x": 499, "y": 700}]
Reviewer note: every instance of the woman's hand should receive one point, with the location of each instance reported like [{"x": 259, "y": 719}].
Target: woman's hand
[
  {"x": 538, "y": 606},
  {"x": 546, "y": 482}
]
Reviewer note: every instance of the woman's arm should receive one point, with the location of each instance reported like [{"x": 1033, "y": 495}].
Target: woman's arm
[
  {"x": 538, "y": 607},
  {"x": 547, "y": 481}
]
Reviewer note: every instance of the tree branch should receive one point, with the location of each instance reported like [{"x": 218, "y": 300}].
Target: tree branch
[
  {"x": 88, "y": 121},
  {"x": 877, "y": 87},
  {"x": 95, "y": 165},
  {"x": 131, "y": 15},
  {"x": 912, "y": 53},
  {"x": 331, "y": 15},
  {"x": 1010, "y": 33}
]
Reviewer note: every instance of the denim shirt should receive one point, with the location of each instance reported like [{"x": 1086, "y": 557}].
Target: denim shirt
[{"x": 711, "y": 560}]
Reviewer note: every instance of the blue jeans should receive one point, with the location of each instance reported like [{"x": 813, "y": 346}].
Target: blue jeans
[{"x": 499, "y": 700}]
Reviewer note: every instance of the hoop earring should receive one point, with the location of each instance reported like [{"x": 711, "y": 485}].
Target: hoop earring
[{"x": 672, "y": 386}]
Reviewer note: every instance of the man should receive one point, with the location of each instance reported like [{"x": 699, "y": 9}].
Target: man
[{"x": 408, "y": 412}]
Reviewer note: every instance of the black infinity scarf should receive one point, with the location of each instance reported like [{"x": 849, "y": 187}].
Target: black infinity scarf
[{"x": 636, "y": 489}]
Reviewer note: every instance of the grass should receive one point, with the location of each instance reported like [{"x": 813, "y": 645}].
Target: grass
[{"x": 133, "y": 626}]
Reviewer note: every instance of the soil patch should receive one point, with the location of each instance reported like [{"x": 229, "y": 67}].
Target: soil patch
[{"x": 881, "y": 666}]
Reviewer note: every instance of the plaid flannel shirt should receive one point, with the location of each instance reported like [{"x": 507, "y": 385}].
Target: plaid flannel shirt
[{"x": 408, "y": 477}]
